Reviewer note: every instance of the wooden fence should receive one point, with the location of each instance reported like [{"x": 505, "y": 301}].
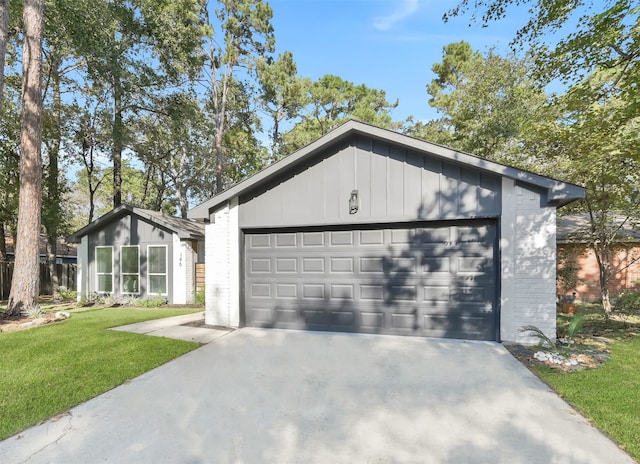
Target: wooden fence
[
  {"x": 66, "y": 278},
  {"x": 199, "y": 277}
]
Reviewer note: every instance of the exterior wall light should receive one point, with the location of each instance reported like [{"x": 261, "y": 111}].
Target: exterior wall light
[{"x": 353, "y": 202}]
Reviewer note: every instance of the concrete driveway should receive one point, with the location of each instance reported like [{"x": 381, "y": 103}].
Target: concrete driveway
[{"x": 272, "y": 396}]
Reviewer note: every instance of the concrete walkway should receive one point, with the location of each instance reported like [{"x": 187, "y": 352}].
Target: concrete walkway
[
  {"x": 272, "y": 396},
  {"x": 173, "y": 327}
]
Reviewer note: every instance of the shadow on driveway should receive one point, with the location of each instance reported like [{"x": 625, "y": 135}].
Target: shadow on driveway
[{"x": 277, "y": 396}]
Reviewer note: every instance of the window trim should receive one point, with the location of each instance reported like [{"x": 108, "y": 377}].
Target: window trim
[
  {"x": 165, "y": 273},
  {"x": 98, "y": 273},
  {"x": 123, "y": 274}
]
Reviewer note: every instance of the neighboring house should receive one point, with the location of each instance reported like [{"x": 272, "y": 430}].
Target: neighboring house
[
  {"x": 368, "y": 230},
  {"x": 137, "y": 252},
  {"x": 577, "y": 265},
  {"x": 65, "y": 252}
]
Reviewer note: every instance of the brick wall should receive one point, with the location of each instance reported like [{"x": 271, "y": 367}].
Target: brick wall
[
  {"x": 222, "y": 305},
  {"x": 535, "y": 265},
  {"x": 625, "y": 267}
]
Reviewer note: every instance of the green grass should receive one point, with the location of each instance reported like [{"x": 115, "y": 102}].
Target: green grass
[
  {"x": 47, "y": 370},
  {"x": 610, "y": 395}
]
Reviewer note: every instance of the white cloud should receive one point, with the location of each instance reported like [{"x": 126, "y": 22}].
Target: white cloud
[{"x": 404, "y": 9}]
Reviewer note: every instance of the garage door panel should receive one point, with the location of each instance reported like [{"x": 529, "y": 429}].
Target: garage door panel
[
  {"x": 342, "y": 292},
  {"x": 342, "y": 238},
  {"x": 429, "y": 281},
  {"x": 342, "y": 264},
  {"x": 312, "y": 239},
  {"x": 286, "y": 290},
  {"x": 286, "y": 240}
]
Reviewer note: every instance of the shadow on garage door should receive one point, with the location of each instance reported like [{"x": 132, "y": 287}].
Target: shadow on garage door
[{"x": 430, "y": 279}]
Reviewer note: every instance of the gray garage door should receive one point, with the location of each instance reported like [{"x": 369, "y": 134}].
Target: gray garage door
[{"x": 437, "y": 281}]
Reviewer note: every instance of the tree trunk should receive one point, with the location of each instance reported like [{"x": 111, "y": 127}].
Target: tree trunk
[
  {"x": 604, "y": 267},
  {"x": 53, "y": 200},
  {"x": 4, "y": 37},
  {"x": 117, "y": 143},
  {"x": 3, "y": 243},
  {"x": 25, "y": 284}
]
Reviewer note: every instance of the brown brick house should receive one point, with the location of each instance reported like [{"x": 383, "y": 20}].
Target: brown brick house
[{"x": 577, "y": 265}]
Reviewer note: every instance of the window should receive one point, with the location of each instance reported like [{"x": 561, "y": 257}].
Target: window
[
  {"x": 157, "y": 269},
  {"x": 130, "y": 269},
  {"x": 104, "y": 269}
]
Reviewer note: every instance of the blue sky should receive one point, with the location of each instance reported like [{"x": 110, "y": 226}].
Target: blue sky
[{"x": 384, "y": 44}]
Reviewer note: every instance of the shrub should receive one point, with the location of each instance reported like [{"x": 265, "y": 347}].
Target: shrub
[
  {"x": 628, "y": 302},
  {"x": 67, "y": 294},
  {"x": 153, "y": 302},
  {"x": 32, "y": 312},
  {"x": 199, "y": 298}
]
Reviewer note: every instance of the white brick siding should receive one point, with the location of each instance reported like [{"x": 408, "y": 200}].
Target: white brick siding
[
  {"x": 189, "y": 269},
  {"x": 179, "y": 291},
  {"x": 222, "y": 286},
  {"x": 528, "y": 250}
]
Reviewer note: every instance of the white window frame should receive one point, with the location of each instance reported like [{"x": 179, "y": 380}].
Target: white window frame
[
  {"x": 165, "y": 273},
  {"x": 122, "y": 274},
  {"x": 98, "y": 274}
]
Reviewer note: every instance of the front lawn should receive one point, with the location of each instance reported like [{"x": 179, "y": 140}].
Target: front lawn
[
  {"x": 49, "y": 369},
  {"x": 608, "y": 396}
]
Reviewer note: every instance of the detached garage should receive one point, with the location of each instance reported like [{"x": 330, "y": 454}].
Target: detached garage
[{"x": 367, "y": 230}]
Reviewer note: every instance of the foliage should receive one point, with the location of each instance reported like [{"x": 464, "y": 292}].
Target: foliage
[
  {"x": 575, "y": 325},
  {"x": 153, "y": 302},
  {"x": 604, "y": 35},
  {"x": 543, "y": 339},
  {"x": 247, "y": 36},
  {"x": 49, "y": 369},
  {"x": 330, "y": 102},
  {"x": 567, "y": 268},
  {"x": 199, "y": 298},
  {"x": 589, "y": 145},
  {"x": 32, "y": 312},
  {"x": 171, "y": 141},
  {"x": 628, "y": 302},
  {"x": 67, "y": 294},
  {"x": 487, "y": 103},
  {"x": 282, "y": 94}
]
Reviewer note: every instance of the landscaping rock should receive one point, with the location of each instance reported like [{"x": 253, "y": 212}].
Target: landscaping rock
[{"x": 572, "y": 361}]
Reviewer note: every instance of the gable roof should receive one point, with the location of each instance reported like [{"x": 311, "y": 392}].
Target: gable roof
[
  {"x": 576, "y": 228},
  {"x": 559, "y": 193},
  {"x": 185, "y": 228}
]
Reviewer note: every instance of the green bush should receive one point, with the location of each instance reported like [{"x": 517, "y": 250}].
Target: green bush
[
  {"x": 628, "y": 302},
  {"x": 152, "y": 302},
  {"x": 67, "y": 294},
  {"x": 199, "y": 298}
]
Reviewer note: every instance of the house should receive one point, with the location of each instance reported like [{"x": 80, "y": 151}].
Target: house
[
  {"x": 137, "y": 252},
  {"x": 367, "y": 230},
  {"x": 65, "y": 252},
  {"x": 578, "y": 269}
]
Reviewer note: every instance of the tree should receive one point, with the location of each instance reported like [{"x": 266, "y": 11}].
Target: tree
[
  {"x": 595, "y": 139},
  {"x": 4, "y": 39},
  {"x": 604, "y": 35},
  {"x": 247, "y": 37},
  {"x": 130, "y": 47},
  {"x": 283, "y": 94},
  {"x": 487, "y": 103},
  {"x": 25, "y": 285},
  {"x": 332, "y": 101},
  {"x": 590, "y": 145},
  {"x": 171, "y": 142}
]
